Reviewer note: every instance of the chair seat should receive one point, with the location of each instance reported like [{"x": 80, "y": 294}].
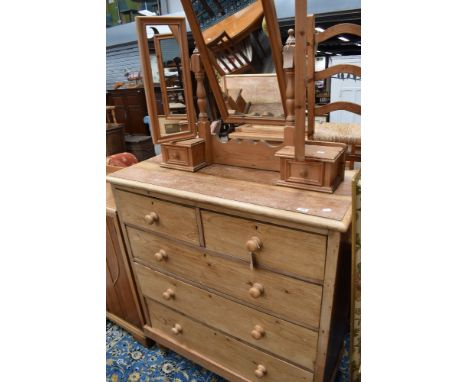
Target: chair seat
[{"x": 349, "y": 133}]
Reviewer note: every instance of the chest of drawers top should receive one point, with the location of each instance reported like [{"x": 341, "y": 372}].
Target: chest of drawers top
[{"x": 246, "y": 191}]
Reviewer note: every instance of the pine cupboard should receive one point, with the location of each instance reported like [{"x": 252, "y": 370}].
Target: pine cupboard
[{"x": 122, "y": 305}]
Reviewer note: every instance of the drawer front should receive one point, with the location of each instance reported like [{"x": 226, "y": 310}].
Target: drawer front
[
  {"x": 157, "y": 215},
  {"x": 312, "y": 172},
  {"x": 176, "y": 155},
  {"x": 293, "y": 299},
  {"x": 282, "y": 249},
  {"x": 239, "y": 358},
  {"x": 277, "y": 336}
]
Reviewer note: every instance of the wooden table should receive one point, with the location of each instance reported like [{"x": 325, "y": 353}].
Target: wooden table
[{"x": 238, "y": 25}]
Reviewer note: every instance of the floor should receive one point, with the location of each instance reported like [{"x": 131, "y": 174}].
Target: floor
[{"x": 127, "y": 360}]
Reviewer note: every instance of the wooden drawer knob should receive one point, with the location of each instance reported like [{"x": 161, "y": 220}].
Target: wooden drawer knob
[
  {"x": 256, "y": 290},
  {"x": 176, "y": 329},
  {"x": 176, "y": 156},
  {"x": 258, "y": 332},
  {"x": 168, "y": 294},
  {"x": 253, "y": 244},
  {"x": 151, "y": 218},
  {"x": 260, "y": 371},
  {"x": 161, "y": 255}
]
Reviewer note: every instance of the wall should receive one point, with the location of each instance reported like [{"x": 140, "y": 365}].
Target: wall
[
  {"x": 119, "y": 58},
  {"x": 174, "y": 6}
]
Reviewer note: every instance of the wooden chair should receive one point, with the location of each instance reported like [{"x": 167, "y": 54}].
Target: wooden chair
[
  {"x": 229, "y": 57},
  {"x": 333, "y": 132},
  {"x": 110, "y": 114},
  {"x": 115, "y": 133}
]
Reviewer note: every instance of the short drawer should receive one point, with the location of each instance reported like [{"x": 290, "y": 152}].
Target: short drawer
[
  {"x": 305, "y": 172},
  {"x": 176, "y": 155},
  {"x": 278, "y": 248},
  {"x": 157, "y": 215},
  {"x": 277, "y": 336},
  {"x": 239, "y": 358},
  {"x": 293, "y": 299}
]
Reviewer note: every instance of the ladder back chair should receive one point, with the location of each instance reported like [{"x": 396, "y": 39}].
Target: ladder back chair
[
  {"x": 229, "y": 57},
  {"x": 348, "y": 133}
]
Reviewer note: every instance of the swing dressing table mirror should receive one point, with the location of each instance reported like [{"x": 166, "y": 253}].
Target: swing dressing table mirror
[
  {"x": 152, "y": 65},
  {"x": 176, "y": 131}
]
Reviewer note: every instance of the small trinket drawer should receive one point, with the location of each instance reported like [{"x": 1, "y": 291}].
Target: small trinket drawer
[{"x": 239, "y": 295}]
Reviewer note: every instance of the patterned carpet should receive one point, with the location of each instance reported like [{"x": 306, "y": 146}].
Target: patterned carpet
[{"x": 128, "y": 361}]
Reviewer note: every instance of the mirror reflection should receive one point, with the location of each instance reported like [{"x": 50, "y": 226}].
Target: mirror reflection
[
  {"x": 235, "y": 33},
  {"x": 170, "y": 74}
]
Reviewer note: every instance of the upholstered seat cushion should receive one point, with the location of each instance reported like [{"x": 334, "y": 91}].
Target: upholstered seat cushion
[{"x": 121, "y": 160}]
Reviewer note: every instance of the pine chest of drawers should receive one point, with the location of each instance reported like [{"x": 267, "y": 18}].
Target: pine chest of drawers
[{"x": 246, "y": 278}]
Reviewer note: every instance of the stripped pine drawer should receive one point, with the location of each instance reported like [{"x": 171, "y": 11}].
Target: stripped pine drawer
[
  {"x": 282, "y": 338},
  {"x": 157, "y": 215},
  {"x": 282, "y": 249},
  {"x": 243, "y": 361},
  {"x": 294, "y": 300}
]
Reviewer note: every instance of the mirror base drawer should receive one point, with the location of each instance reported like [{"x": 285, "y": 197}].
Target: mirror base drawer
[{"x": 188, "y": 155}]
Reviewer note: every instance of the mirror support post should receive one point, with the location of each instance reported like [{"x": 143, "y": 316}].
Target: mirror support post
[
  {"x": 310, "y": 76},
  {"x": 300, "y": 84},
  {"x": 203, "y": 121},
  {"x": 321, "y": 168},
  {"x": 288, "y": 66}
]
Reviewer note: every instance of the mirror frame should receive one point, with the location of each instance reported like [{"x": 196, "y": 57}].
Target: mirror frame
[
  {"x": 141, "y": 25},
  {"x": 269, "y": 12}
]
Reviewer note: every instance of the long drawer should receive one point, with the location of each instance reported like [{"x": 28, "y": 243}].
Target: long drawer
[
  {"x": 157, "y": 215},
  {"x": 241, "y": 359},
  {"x": 277, "y": 336},
  {"x": 292, "y": 299},
  {"x": 283, "y": 249}
]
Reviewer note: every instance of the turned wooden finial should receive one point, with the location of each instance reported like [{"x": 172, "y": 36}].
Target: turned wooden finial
[
  {"x": 299, "y": 77},
  {"x": 291, "y": 39},
  {"x": 288, "y": 66},
  {"x": 288, "y": 50},
  {"x": 197, "y": 69}
]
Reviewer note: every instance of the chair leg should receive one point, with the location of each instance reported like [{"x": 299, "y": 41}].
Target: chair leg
[{"x": 353, "y": 152}]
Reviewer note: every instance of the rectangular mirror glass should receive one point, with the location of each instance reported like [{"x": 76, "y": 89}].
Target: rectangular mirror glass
[
  {"x": 164, "y": 56},
  {"x": 240, "y": 45},
  {"x": 170, "y": 73}
]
